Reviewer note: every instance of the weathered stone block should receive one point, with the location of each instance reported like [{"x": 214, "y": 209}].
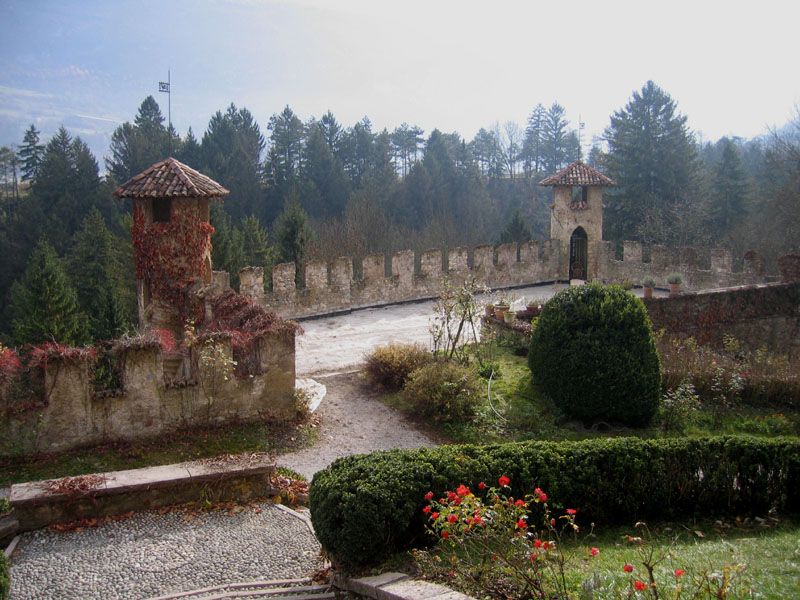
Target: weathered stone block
[
  {"x": 283, "y": 279},
  {"x": 529, "y": 252},
  {"x": 632, "y": 252},
  {"x": 507, "y": 255},
  {"x": 458, "y": 259},
  {"x": 431, "y": 263},
  {"x": 483, "y": 257},
  {"x": 317, "y": 276},
  {"x": 403, "y": 268},
  {"x": 341, "y": 274},
  {"x": 251, "y": 282},
  {"x": 373, "y": 267},
  {"x": 721, "y": 260}
]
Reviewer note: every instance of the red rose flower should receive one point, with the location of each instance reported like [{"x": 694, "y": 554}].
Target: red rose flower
[
  {"x": 462, "y": 490},
  {"x": 521, "y": 524},
  {"x": 426, "y": 510},
  {"x": 452, "y": 518},
  {"x": 679, "y": 572},
  {"x": 481, "y": 486},
  {"x": 594, "y": 551},
  {"x": 571, "y": 511},
  {"x": 628, "y": 568},
  {"x": 445, "y": 534},
  {"x": 639, "y": 585},
  {"x": 503, "y": 481},
  {"x": 429, "y": 496}
]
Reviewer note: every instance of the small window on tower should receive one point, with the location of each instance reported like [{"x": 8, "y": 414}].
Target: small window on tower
[{"x": 161, "y": 210}]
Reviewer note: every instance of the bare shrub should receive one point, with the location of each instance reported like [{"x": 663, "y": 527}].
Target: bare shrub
[{"x": 391, "y": 365}]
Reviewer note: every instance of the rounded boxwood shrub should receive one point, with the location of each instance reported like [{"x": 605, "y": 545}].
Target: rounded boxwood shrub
[
  {"x": 444, "y": 391},
  {"x": 594, "y": 355}
]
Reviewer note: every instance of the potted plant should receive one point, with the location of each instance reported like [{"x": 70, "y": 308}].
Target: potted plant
[
  {"x": 509, "y": 316},
  {"x": 489, "y": 308},
  {"x": 500, "y": 309},
  {"x": 648, "y": 283},
  {"x": 501, "y": 306},
  {"x": 674, "y": 280},
  {"x": 534, "y": 306}
]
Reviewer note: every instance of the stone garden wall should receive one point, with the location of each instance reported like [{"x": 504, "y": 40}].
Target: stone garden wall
[
  {"x": 149, "y": 404},
  {"x": 765, "y": 315}
]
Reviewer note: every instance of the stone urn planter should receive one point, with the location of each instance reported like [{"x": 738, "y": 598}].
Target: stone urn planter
[
  {"x": 500, "y": 310},
  {"x": 509, "y": 316}
]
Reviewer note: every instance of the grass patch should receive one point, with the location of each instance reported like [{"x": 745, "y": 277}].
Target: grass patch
[
  {"x": 179, "y": 446},
  {"x": 518, "y": 411},
  {"x": 762, "y": 559}
]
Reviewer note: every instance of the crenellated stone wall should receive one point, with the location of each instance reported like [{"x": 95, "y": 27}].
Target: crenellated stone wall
[
  {"x": 150, "y": 404},
  {"x": 333, "y": 287}
]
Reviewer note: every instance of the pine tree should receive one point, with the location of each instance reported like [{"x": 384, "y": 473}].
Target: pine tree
[
  {"x": 191, "y": 153},
  {"x": 45, "y": 303},
  {"x": 137, "y": 146},
  {"x": 293, "y": 234},
  {"x": 731, "y": 192},
  {"x": 516, "y": 230},
  {"x": 254, "y": 243},
  {"x": 95, "y": 269},
  {"x": 653, "y": 159},
  {"x": 226, "y": 252},
  {"x": 30, "y": 154}
]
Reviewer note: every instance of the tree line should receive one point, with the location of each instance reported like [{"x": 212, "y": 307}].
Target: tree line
[{"x": 315, "y": 189}]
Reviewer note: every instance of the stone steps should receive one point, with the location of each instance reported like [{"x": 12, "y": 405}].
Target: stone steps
[
  {"x": 173, "y": 364},
  {"x": 286, "y": 589}
]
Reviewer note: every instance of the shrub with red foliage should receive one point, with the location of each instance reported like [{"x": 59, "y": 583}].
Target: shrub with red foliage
[
  {"x": 42, "y": 354},
  {"x": 10, "y": 365},
  {"x": 244, "y": 322}
]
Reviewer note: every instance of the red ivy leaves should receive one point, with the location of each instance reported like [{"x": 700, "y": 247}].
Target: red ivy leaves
[
  {"x": 170, "y": 256},
  {"x": 10, "y": 365},
  {"x": 42, "y": 354}
]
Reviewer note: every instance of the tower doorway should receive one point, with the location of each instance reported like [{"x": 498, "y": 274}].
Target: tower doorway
[{"x": 578, "y": 254}]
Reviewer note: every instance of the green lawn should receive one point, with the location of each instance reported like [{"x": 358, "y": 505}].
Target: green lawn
[
  {"x": 517, "y": 411},
  {"x": 762, "y": 561}
]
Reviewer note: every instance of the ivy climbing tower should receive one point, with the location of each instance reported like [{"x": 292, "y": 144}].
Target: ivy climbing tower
[{"x": 171, "y": 237}]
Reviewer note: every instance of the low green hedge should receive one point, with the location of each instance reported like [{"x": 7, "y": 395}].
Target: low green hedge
[{"x": 367, "y": 507}]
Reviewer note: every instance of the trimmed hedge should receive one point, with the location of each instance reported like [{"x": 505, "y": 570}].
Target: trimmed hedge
[
  {"x": 593, "y": 353},
  {"x": 367, "y": 507}
]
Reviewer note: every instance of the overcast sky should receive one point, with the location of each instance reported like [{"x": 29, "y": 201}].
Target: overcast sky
[{"x": 452, "y": 65}]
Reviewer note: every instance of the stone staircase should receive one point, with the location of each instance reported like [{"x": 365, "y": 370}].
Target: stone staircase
[
  {"x": 286, "y": 589},
  {"x": 173, "y": 364}
]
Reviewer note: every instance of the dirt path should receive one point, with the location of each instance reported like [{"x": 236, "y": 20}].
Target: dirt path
[{"x": 353, "y": 421}]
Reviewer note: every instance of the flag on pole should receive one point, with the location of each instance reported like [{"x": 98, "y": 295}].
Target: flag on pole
[{"x": 163, "y": 86}]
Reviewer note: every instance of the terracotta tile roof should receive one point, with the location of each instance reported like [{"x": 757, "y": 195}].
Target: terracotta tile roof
[
  {"x": 169, "y": 179},
  {"x": 577, "y": 173}
]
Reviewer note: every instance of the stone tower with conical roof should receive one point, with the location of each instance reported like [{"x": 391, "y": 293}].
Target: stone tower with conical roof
[
  {"x": 171, "y": 237},
  {"x": 576, "y": 216}
]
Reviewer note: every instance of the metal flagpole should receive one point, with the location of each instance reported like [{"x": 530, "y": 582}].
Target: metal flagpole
[{"x": 165, "y": 87}]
